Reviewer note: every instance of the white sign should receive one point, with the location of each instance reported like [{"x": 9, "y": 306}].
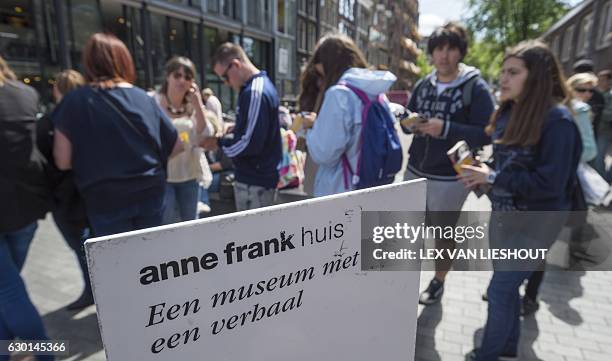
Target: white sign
[
  {"x": 279, "y": 283},
  {"x": 283, "y": 61}
]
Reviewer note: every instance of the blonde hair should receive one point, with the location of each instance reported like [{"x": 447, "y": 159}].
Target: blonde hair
[
  {"x": 5, "y": 72},
  {"x": 581, "y": 79},
  {"x": 67, "y": 80}
]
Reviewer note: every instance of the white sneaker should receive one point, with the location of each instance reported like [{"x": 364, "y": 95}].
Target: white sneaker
[{"x": 203, "y": 208}]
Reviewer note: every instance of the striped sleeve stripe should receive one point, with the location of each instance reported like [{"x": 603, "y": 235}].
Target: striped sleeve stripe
[{"x": 252, "y": 116}]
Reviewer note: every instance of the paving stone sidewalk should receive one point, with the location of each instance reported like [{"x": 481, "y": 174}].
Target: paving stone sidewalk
[{"x": 574, "y": 321}]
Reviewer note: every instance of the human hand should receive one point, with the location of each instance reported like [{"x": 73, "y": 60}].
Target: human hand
[
  {"x": 210, "y": 143},
  {"x": 308, "y": 119},
  {"x": 472, "y": 176},
  {"x": 195, "y": 96},
  {"x": 432, "y": 127}
]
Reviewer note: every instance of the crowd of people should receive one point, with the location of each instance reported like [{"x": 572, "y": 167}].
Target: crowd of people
[{"x": 112, "y": 157}]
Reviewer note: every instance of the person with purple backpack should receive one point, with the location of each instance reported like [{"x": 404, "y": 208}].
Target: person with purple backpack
[{"x": 354, "y": 122}]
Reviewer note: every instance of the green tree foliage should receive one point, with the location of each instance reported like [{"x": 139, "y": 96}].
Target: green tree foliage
[
  {"x": 486, "y": 57},
  {"x": 507, "y": 22},
  {"x": 424, "y": 64},
  {"x": 499, "y": 24}
]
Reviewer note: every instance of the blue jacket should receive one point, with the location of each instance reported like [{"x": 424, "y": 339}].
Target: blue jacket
[
  {"x": 255, "y": 143},
  {"x": 427, "y": 155},
  {"x": 584, "y": 120},
  {"x": 338, "y": 125},
  {"x": 540, "y": 177}
]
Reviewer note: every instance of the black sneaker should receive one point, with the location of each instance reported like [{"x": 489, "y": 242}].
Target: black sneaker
[
  {"x": 529, "y": 306},
  {"x": 506, "y": 357},
  {"x": 433, "y": 293}
]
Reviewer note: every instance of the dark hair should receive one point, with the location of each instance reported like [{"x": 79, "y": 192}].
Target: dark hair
[
  {"x": 452, "y": 34},
  {"x": 68, "y": 80},
  {"x": 226, "y": 52},
  {"x": 174, "y": 64},
  {"x": 309, "y": 97},
  {"x": 544, "y": 87},
  {"x": 107, "y": 61},
  {"x": 336, "y": 53}
]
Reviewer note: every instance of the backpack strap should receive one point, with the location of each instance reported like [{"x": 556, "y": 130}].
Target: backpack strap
[
  {"x": 417, "y": 86},
  {"x": 346, "y": 166},
  {"x": 467, "y": 90}
]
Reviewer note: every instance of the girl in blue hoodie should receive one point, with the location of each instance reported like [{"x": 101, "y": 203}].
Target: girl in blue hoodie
[
  {"x": 536, "y": 150},
  {"x": 333, "y": 128}
]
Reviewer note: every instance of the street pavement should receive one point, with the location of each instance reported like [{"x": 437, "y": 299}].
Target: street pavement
[{"x": 574, "y": 321}]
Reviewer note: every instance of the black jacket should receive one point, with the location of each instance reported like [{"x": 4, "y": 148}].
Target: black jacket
[
  {"x": 24, "y": 192},
  {"x": 427, "y": 155}
]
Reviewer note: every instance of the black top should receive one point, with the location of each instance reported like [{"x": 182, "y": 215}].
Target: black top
[
  {"x": 120, "y": 144},
  {"x": 23, "y": 187}
]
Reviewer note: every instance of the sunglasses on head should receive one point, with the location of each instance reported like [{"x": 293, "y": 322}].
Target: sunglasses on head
[
  {"x": 583, "y": 90},
  {"x": 177, "y": 75}
]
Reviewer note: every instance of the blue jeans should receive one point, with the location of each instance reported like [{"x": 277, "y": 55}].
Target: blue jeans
[
  {"x": 145, "y": 214},
  {"x": 181, "y": 201},
  {"x": 214, "y": 187},
  {"x": 18, "y": 316},
  {"x": 603, "y": 142},
  {"x": 252, "y": 197},
  {"x": 503, "y": 328},
  {"x": 75, "y": 236}
]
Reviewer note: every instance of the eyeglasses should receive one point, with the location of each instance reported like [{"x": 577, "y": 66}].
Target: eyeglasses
[
  {"x": 224, "y": 76},
  {"x": 583, "y": 90},
  {"x": 178, "y": 75}
]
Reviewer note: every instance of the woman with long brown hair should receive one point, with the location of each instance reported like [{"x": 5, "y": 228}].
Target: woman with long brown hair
[
  {"x": 116, "y": 140},
  {"x": 536, "y": 150},
  {"x": 180, "y": 99},
  {"x": 334, "y": 125}
]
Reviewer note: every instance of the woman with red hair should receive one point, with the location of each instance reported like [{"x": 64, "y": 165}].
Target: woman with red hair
[{"x": 116, "y": 140}]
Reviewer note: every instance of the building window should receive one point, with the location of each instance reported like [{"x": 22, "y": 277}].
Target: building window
[
  {"x": 212, "y": 6},
  {"x": 177, "y": 41},
  {"x": 124, "y": 22},
  {"x": 18, "y": 34},
  {"x": 267, "y": 15},
  {"x": 160, "y": 48},
  {"x": 568, "y": 38},
  {"x": 347, "y": 9},
  {"x": 290, "y": 17},
  {"x": 311, "y": 8},
  {"x": 555, "y": 45},
  {"x": 280, "y": 16},
  {"x": 254, "y": 13},
  {"x": 302, "y": 36},
  {"x": 584, "y": 39},
  {"x": 28, "y": 42},
  {"x": 605, "y": 26},
  {"x": 312, "y": 37},
  {"x": 84, "y": 20},
  {"x": 232, "y": 9}
]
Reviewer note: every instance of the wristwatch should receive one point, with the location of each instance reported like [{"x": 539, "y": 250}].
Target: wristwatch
[{"x": 491, "y": 177}]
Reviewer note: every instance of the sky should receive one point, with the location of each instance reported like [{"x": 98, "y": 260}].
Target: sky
[{"x": 434, "y": 13}]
